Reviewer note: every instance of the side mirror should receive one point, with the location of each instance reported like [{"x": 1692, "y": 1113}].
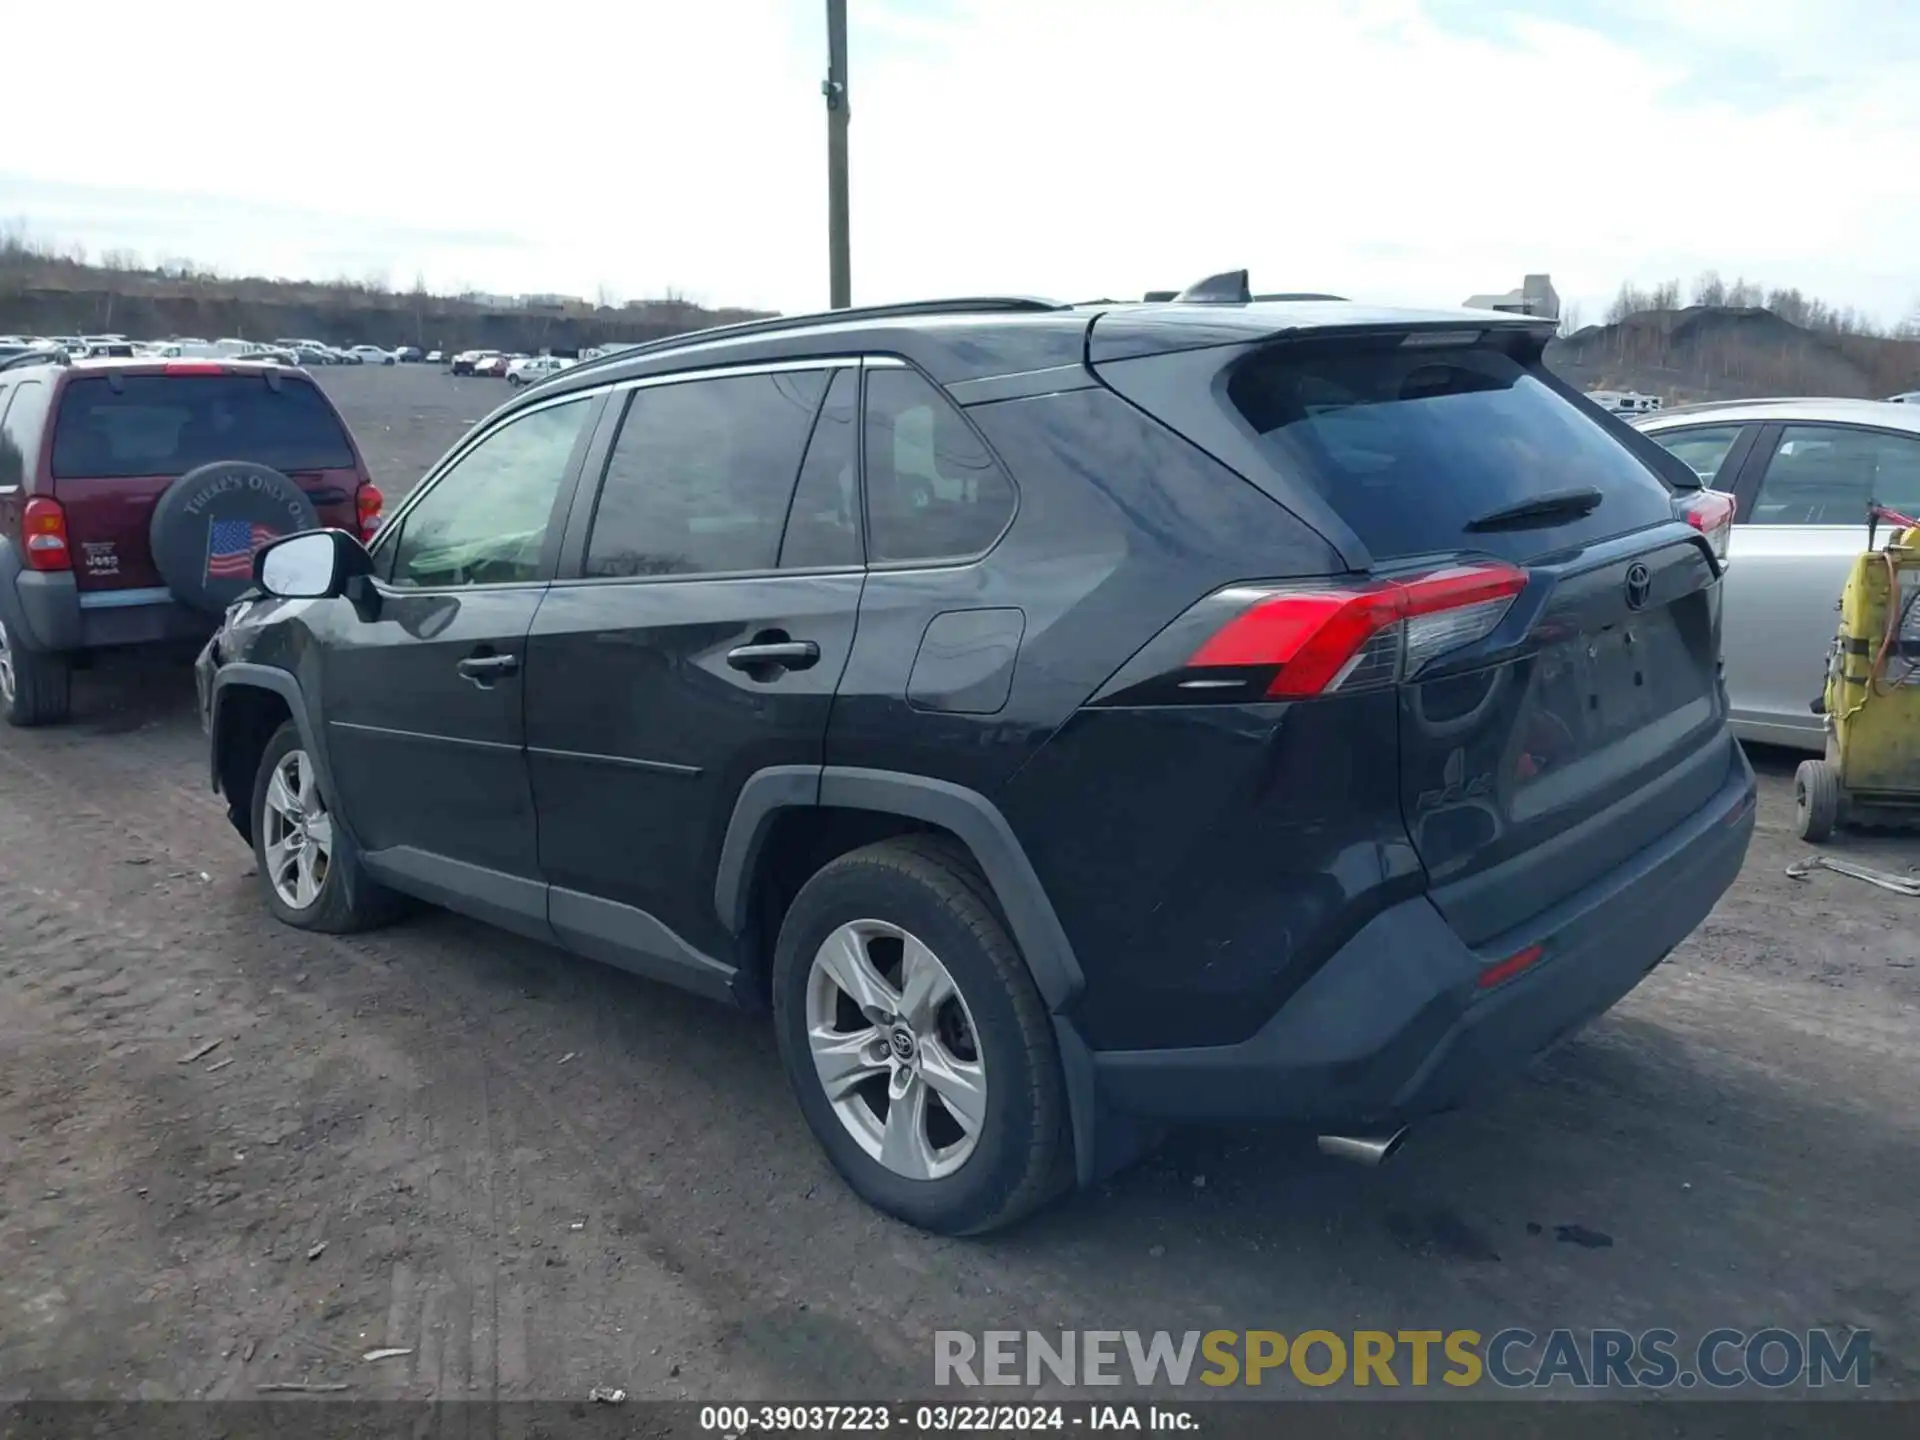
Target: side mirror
[{"x": 313, "y": 565}]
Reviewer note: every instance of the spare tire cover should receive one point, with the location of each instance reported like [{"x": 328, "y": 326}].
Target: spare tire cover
[{"x": 211, "y": 520}]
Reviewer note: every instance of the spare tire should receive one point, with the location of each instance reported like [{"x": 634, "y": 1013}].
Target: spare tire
[{"x": 211, "y": 520}]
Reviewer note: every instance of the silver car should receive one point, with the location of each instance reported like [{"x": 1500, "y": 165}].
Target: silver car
[{"x": 1802, "y": 473}]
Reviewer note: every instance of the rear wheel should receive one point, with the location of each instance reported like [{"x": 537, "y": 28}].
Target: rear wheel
[
  {"x": 308, "y": 867},
  {"x": 35, "y": 688},
  {"x": 1816, "y": 800},
  {"x": 913, "y": 1036}
]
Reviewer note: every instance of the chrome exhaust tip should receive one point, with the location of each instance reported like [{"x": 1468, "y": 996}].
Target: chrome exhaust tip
[{"x": 1362, "y": 1149}]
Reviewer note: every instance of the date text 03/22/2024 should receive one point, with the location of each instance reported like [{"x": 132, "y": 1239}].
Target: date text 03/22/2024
[{"x": 737, "y": 1420}]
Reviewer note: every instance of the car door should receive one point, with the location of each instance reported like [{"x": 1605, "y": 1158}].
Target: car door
[
  {"x": 705, "y": 610},
  {"x": 1801, "y": 521},
  {"x": 422, "y": 674}
]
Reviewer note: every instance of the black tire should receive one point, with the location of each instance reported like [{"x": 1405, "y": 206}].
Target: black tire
[
  {"x": 1816, "y": 800},
  {"x": 257, "y": 498},
  {"x": 348, "y": 899},
  {"x": 36, "y": 688},
  {"x": 930, "y": 888}
]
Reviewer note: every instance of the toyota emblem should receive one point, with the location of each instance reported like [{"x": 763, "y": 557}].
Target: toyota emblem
[{"x": 1639, "y": 586}]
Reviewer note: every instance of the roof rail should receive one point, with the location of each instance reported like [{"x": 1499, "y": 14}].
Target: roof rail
[{"x": 959, "y": 305}]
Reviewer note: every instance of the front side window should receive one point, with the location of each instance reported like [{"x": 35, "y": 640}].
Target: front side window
[
  {"x": 485, "y": 521},
  {"x": 933, "y": 490},
  {"x": 1828, "y": 474},
  {"x": 702, "y": 474}
]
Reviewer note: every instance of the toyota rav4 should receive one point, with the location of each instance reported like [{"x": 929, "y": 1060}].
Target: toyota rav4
[{"x": 1067, "y": 720}]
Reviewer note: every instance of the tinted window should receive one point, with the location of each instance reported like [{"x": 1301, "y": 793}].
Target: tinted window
[
  {"x": 823, "y": 524},
  {"x": 1703, "y": 450},
  {"x": 1826, "y": 475},
  {"x": 1410, "y": 445},
  {"x": 933, "y": 490},
  {"x": 22, "y": 411},
  {"x": 485, "y": 521},
  {"x": 700, "y": 478},
  {"x": 170, "y": 424}
]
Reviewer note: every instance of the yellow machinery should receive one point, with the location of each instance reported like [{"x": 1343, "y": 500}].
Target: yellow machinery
[{"x": 1871, "y": 773}]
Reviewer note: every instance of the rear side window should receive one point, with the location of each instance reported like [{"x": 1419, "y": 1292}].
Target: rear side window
[
  {"x": 22, "y": 413},
  {"x": 933, "y": 490},
  {"x": 701, "y": 476},
  {"x": 170, "y": 424},
  {"x": 1410, "y": 445},
  {"x": 823, "y": 523}
]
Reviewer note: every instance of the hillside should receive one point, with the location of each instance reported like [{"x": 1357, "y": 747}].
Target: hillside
[
  {"x": 42, "y": 294},
  {"x": 1710, "y": 352}
]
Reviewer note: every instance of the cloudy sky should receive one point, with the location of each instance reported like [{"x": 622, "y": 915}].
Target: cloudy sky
[{"x": 1397, "y": 150}]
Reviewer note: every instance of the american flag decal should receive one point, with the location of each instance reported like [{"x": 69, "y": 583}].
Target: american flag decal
[{"x": 230, "y": 547}]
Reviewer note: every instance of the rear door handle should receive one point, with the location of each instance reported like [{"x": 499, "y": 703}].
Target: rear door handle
[
  {"x": 778, "y": 654},
  {"x": 485, "y": 669}
]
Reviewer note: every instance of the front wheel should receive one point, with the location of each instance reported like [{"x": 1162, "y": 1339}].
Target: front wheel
[
  {"x": 1816, "y": 800},
  {"x": 916, "y": 1043},
  {"x": 307, "y": 865}
]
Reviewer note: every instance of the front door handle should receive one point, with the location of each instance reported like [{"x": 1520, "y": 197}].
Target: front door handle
[
  {"x": 774, "y": 655},
  {"x": 483, "y": 670}
]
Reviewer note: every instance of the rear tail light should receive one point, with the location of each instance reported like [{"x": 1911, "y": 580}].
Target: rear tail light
[
  {"x": 370, "y": 506},
  {"x": 1711, "y": 513},
  {"x": 1345, "y": 638},
  {"x": 43, "y": 526}
]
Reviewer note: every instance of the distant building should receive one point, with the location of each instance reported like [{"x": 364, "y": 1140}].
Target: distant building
[
  {"x": 494, "y": 302},
  {"x": 550, "y": 302},
  {"x": 1536, "y": 296}
]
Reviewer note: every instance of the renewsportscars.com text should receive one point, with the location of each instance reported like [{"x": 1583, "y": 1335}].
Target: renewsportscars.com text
[{"x": 1771, "y": 1358}]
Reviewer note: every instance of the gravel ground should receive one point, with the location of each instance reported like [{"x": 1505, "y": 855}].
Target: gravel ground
[{"x": 537, "y": 1175}]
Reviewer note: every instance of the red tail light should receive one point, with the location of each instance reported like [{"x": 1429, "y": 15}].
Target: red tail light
[
  {"x": 1354, "y": 637},
  {"x": 370, "y": 506},
  {"x": 194, "y": 367},
  {"x": 1711, "y": 513},
  {"x": 43, "y": 526}
]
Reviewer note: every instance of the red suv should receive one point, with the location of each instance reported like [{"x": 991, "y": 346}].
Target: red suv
[{"x": 133, "y": 494}]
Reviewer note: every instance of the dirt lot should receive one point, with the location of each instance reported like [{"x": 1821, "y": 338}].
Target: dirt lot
[{"x": 538, "y": 1175}]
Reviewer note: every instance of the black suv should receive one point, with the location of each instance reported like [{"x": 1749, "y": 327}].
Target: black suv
[{"x": 1066, "y": 719}]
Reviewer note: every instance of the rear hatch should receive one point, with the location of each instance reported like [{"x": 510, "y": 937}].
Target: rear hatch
[
  {"x": 121, "y": 437},
  {"x": 1549, "y": 618}
]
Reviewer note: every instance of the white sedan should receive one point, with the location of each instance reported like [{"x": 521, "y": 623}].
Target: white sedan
[
  {"x": 371, "y": 355},
  {"x": 532, "y": 369}
]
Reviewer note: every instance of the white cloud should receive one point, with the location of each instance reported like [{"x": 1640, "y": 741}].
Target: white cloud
[{"x": 1394, "y": 149}]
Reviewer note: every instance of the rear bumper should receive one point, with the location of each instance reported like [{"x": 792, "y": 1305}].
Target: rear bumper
[
  {"x": 1394, "y": 1026},
  {"x": 56, "y": 616}
]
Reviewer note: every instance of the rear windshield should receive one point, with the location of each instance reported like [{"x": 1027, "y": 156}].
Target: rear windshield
[
  {"x": 170, "y": 424},
  {"x": 1409, "y": 445}
]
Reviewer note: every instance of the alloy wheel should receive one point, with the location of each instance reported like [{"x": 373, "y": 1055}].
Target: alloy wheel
[
  {"x": 299, "y": 832},
  {"x": 896, "y": 1049}
]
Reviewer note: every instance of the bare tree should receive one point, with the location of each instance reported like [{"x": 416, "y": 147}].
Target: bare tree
[
  {"x": 1570, "y": 318},
  {"x": 1709, "y": 289}
]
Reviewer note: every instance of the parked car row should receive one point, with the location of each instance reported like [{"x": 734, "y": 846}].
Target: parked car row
[
  {"x": 287, "y": 351},
  {"x": 516, "y": 369}
]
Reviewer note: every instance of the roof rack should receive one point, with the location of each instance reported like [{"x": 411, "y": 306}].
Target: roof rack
[{"x": 959, "y": 305}]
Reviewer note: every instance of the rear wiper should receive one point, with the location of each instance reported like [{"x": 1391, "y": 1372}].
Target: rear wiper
[{"x": 1551, "y": 509}]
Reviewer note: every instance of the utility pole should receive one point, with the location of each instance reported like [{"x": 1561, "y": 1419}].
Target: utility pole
[{"x": 839, "y": 261}]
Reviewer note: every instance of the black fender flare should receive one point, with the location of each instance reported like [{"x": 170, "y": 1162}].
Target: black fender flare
[
  {"x": 978, "y": 824},
  {"x": 241, "y": 674}
]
